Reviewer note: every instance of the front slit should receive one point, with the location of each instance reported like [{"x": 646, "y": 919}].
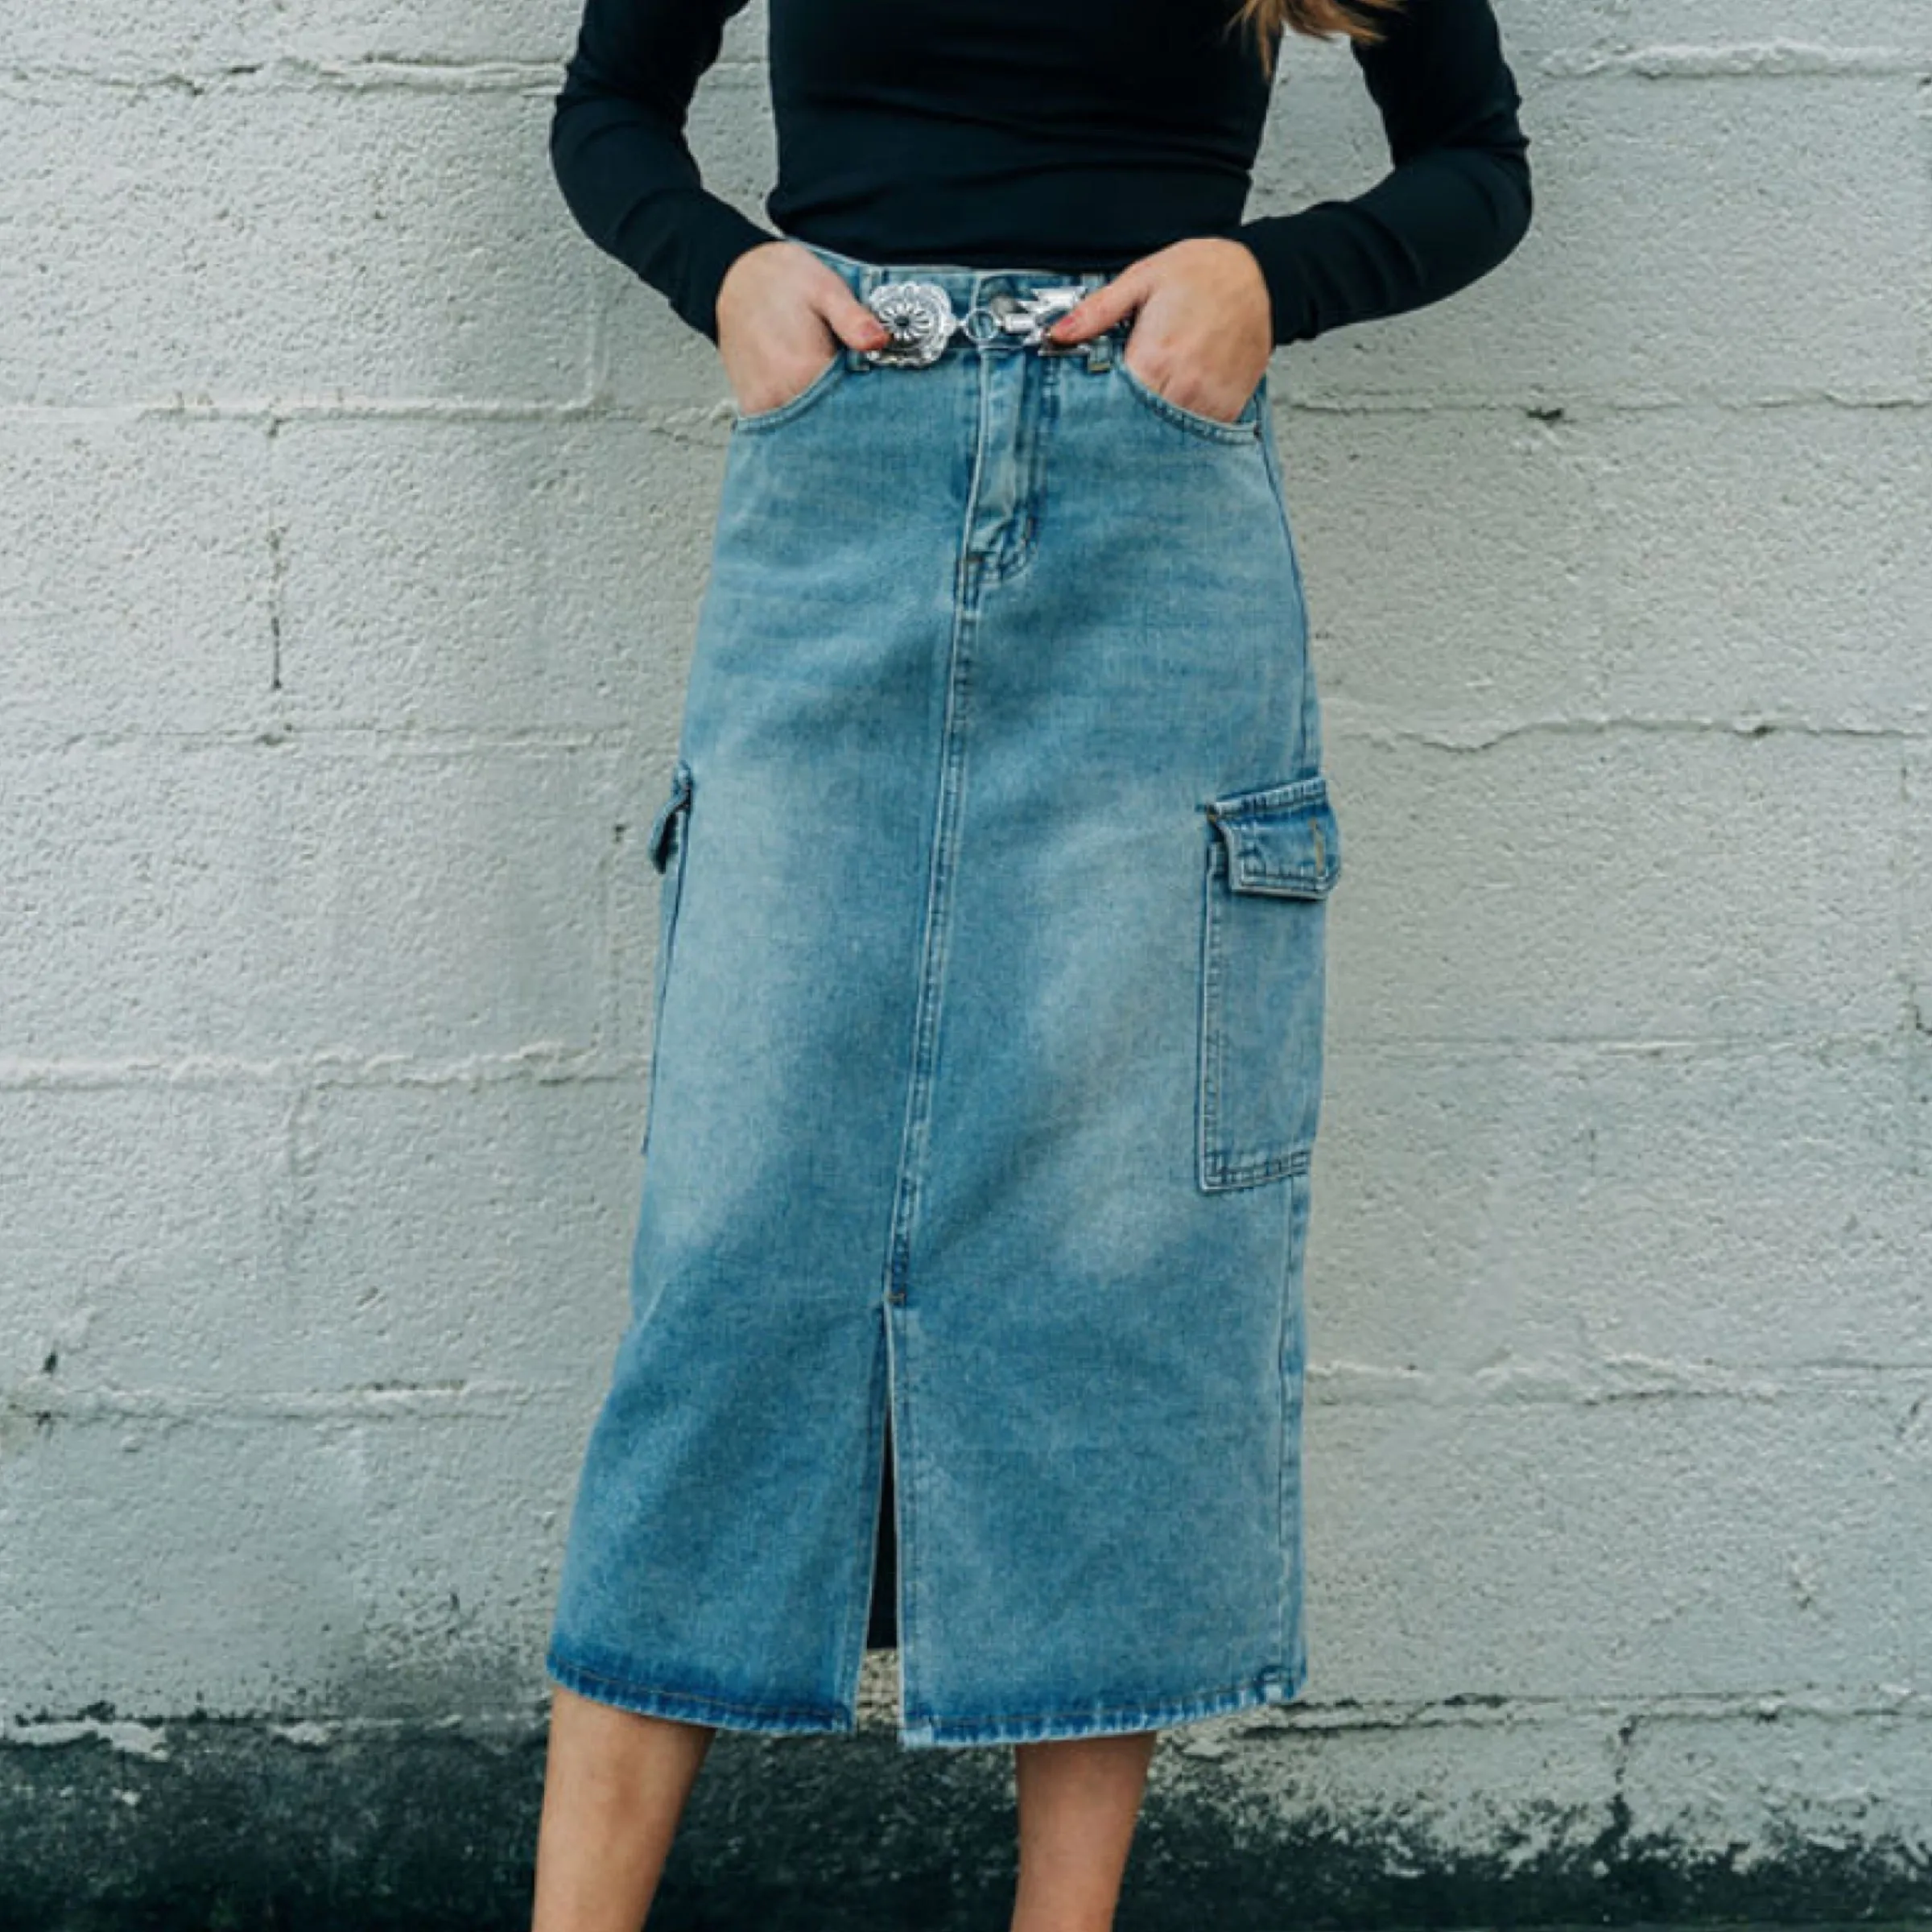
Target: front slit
[{"x": 882, "y": 1625}]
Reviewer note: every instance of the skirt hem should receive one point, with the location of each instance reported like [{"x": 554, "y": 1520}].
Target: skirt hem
[
  {"x": 696, "y": 1708},
  {"x": 923, "y": 1731},
  {"x": 1270, "y": 1687}
]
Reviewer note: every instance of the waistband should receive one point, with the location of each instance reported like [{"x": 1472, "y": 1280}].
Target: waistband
[{"x": 971, "y": 290}]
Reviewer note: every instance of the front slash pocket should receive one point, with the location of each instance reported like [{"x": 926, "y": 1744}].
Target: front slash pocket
[
  {"x": 796, "y": 403},
  {"x": 665, "y": 845},
  {"x": 1242, "y": 430},
  {"x": 1273, "y": 854}
]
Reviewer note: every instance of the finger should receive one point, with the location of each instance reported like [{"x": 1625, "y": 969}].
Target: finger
[
  {"x": 1111, "y": 302},
  {"x": 850, "y": 320}
]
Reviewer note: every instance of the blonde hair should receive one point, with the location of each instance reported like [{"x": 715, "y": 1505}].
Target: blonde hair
[{"x": 1320, "y": 18}]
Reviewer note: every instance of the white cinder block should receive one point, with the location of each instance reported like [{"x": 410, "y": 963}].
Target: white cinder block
[
  {"x": 267, "y": 1237},
  {"x": 443, "y": 30},
  {"x": 384, "y": 1556},
  {"x": 137, "y": 574},
  {"x": 1625, "y": 884},
  {"x": 1915, "y": 886},
  {"x": 454, "y": 1232},
  {"x": 281, "y": 902},
  {"x": 1752, "y": 37},
  {"x": 1722, "y": 564},
  {"x": 1638, "y": 1549},
  {"x": 319, "y": 244},
  {"x": 177, "y": 37},
  {"x": 511, "y": 575},
  {"x": 1533, "y": 1220},
  {"x": 140, "y": 1223},
  {"x": 1766, "y": 564},
  {"x": 1660, "y": 268},
  {"x": 1488, "y": 609}
]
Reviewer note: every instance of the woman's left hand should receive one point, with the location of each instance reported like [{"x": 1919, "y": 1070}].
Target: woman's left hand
[{"x": 1203, "y": 325}]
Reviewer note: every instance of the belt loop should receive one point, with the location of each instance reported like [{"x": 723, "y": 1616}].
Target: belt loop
[
  {"x": 1099, "y": 348},
  {"x": 870, "y": 275}
]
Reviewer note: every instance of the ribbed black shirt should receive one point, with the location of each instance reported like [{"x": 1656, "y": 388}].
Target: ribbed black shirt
[{"x": 1066, "y": 135}]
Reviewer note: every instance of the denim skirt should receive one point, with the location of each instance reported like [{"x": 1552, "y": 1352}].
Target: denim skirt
[{"x": 965, "y": 1300}]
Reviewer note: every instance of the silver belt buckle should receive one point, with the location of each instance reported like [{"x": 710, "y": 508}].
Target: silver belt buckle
[
  {"x": 1038, "y": 312},
  {"x": 922, "y": 320}
]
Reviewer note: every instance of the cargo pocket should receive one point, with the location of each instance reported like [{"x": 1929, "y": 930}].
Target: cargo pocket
[
  {"x": 665, "y": 845},
  {"x": 1272, "y": 855}
]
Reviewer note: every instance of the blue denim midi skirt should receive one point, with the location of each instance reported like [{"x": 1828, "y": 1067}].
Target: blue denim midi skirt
[{"x": 985, "y": 1072}]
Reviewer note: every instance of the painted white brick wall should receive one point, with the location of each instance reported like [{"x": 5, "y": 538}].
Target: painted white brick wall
[{"x": 353, "y": 520}]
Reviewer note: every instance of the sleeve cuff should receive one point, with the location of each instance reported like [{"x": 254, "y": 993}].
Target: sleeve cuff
[{"x": 1289, "y": 317}]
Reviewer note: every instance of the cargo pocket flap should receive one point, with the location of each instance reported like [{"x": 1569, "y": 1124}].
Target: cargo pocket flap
[
  {"x": 663, "y": 828},
  {"x": 1282, "y": 838}
]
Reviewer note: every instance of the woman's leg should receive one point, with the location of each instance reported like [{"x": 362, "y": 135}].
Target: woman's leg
[
  {"x": 614, "y": 1787},
  {"x": 1079, "y": 1799}
]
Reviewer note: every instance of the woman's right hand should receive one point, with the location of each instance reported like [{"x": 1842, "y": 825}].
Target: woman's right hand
[{"x": 783, "y": 315}]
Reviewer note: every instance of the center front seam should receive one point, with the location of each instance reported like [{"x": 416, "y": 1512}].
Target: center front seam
[
  {"x": 928, "y": 998},
  {"x": 950, "y": 785}
]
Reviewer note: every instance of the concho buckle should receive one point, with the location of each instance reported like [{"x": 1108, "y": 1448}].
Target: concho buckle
[{"x": 920, "y": 317}]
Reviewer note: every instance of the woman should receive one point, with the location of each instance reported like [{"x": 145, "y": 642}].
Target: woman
[{"x": 966, "y": 1301}]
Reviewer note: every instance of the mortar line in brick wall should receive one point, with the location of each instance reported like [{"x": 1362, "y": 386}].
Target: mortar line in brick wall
[
  {"x": 1353, "y": 723},
  {"x": 274, "y": 73},
  {"x": 1355, "y": 1387},
  {"x": 1573, "y": 1054},
  {"x": 1569, "y": 410},
  {"x": 1735, "y": 59},
  {"x": 272, "y": 412},
  {"x": 541, "y": 75},
  {"x": 536, "y": 1065},
  {"x": 39, "y": 1398},
  {"x": 278, "y": 735},
  {"x": 1578, "y": 408},
  {"x": 1591, "y": 1382},
  {"x": 145, "y": 1732}
]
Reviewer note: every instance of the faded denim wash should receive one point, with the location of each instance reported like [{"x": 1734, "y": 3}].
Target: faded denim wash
[{"x": 986, "y": 1070}]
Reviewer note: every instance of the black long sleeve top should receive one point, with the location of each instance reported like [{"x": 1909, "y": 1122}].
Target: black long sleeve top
[{"x": 1066, "y": 135}]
